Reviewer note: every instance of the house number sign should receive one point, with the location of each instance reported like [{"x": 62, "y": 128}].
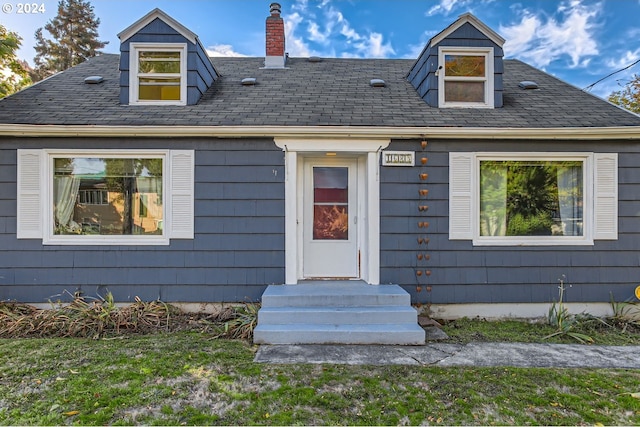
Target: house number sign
[{"x": 398, "y": 158}]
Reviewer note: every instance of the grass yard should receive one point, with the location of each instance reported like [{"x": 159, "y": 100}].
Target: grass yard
[
  {"x": 613, "y": 332},
  {"x": 188, "y": 378},
  {"x": 92, "y": 363}
]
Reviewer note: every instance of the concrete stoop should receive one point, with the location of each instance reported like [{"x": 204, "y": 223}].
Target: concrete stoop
[{"x": 337, "y": 312}]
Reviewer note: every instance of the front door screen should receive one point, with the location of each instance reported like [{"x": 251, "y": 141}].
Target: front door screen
[{"x": 330, "y": 203}]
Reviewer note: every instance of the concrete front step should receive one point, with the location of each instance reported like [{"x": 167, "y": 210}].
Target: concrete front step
[
  {"x": 334, "y": 294},
  {"x": 337, "y": 312},
  {"x": 391, "y": 334},
  {"x": 337, "y": 315}
]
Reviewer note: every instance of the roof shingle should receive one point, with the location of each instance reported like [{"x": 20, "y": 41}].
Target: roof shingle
[{"x": 333, "y": 92}]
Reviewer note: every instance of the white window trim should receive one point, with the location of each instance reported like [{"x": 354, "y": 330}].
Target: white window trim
[
  {"x": 134, "y": 74},
  {"x": 35, "y": 196},
  {"x": 50, "y": 238},
  {"x": 600, "y": 211},
  {"x": 489, "y": 97}
]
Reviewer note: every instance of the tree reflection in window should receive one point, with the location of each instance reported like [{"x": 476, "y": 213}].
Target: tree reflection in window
[
  {"x": 133, "y": 186},
  {"x": 531, "y": 198},
  {"x": 330, "y": 203}
]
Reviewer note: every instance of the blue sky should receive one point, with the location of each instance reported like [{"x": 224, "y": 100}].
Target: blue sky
[{"x": 579, "y": 41}]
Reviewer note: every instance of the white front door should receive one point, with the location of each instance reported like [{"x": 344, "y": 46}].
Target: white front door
[{"x": 330, "y": 208}]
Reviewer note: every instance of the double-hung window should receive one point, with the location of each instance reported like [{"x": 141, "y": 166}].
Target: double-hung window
[
  {"x": 533, "y": 198},
  {"x": 105, "y": 197},
  {"x": 465, "y": 77},
  {"x": 158, "y": 73}
]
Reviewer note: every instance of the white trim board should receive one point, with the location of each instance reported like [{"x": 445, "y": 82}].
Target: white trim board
[
  {"x": 135, "y": 75},
  {"x": 511, "y": 310},
  {"x": 487, "y": 80},
  {"x": 379, "y": 133},
  {"x": 471, "y": 19},
  {"x": 367, "y": 151},
  {"x": 134, "y": 28}
]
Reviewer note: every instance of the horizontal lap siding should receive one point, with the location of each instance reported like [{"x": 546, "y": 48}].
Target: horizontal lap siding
[
  {"x": 462, "y": 273},
  {"x": 237, "y": 251}
]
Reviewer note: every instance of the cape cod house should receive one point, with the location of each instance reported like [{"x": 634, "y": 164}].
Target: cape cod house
[{"x": 460, "y": 181}]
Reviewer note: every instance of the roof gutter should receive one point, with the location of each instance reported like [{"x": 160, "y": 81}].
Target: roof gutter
[{"x": 317, "y": 132}]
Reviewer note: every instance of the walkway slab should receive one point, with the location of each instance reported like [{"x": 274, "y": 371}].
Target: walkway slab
[
  {"x": 446, "y": 355},
  {"x": 353, "y": 354},
  {"x": 545, "y": 356}
]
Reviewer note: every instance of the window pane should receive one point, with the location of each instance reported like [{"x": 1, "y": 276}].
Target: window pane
[
  {"x": 98, "y": 196},
  {"x": 159, "y": 62},
  {"x": 464, "y": 65},
  {"x": 464, "y": 91},
  {"x": 159, "y": 89},
  {"x": 330, "y": 203},
  {"x": 531, "y": 198}
]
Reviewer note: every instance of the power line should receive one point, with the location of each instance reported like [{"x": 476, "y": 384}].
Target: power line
[{"x": 588, "y": 88}]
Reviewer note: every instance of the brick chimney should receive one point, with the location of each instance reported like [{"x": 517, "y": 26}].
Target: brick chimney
[{"x": 276, "y": 56}]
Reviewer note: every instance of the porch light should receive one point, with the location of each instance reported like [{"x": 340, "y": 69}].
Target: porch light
[{"x": 330, "y": 154}]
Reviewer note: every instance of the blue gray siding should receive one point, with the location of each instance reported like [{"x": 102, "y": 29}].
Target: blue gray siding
[
  {"x": 422, "y": 75},
  {"x": 200, "y": 72},
  {"x": 458, "y": 272},
  {"x": 238, "y": 247},
  {"x": 239, "y": 233}
]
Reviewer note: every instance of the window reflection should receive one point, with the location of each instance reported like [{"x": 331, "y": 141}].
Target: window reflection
[
  {"x": 330, "y": 203},
  {"x": 103, "y": 196},
  {"x": 531, "y": 198}
]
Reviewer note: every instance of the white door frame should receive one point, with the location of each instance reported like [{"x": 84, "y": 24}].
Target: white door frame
[{"x": 368, "y": 154}]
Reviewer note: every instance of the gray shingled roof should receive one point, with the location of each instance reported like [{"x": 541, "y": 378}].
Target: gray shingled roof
[{"x": 332, "y": 92}]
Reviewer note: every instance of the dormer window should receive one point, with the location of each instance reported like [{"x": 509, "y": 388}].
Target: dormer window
[
  {"x": 465, "y": 77},
  {"x": 158, "y": 74}
]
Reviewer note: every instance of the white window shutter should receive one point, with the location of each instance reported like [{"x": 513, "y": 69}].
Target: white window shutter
[
  {"x": 605, "y": 196},
  {"x": 181, "y": 175},
  {"x": 460, "y": 196},
  {"x": 30, "y": 187}
]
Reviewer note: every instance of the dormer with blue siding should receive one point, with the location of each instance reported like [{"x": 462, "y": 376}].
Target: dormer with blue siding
[
  {"x": 162, "y": 63},
  {"x": 461, "y": 67}
]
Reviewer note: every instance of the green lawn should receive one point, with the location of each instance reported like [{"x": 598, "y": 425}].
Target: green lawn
[
  {"x": 603, "y": 332},
  {"x": 185, "y": 378}
]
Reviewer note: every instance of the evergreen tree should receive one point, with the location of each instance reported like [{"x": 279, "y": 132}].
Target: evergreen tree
[
  {"x": 75, "y": 39},
  {"x": 13, "y": 74}
]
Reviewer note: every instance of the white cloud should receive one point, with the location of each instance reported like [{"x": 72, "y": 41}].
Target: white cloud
[
  {"x": 315, "y": 34},
  {"x": 328, "y": 30},
  {"x": 414, "y": 50},
  {"x": 445, "y": 7},
  {"x": 521, "y": 36},
  {"x": 541, "y": 43},
  {"x": 300, "y": 5},
  {"x": 624, "y": 60},
  {"x": 374, "y": 47},
  {"x": 633, "y": 33},
  {"x": 223, "y": 50},
  {"x": 296, "y": 46},
  {"x": 336, "y": 17},
  {"x": 618, "y": 80}
]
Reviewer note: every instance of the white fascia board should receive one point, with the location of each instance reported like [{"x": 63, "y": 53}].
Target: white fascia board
[
  {"x": 324, "y": 132},
  {"x": 334, "y": 145},
  {"x": 132, "y": 29},
  {"x": 463, "y": 19}
]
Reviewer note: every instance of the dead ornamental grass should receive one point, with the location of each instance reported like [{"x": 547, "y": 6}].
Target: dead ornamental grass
[{"x": 98, "y": 318}]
